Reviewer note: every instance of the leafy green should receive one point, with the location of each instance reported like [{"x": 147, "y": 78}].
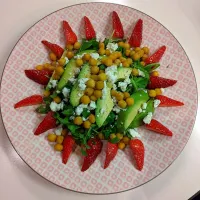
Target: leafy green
[
  {"x": 115, "y": 140},
  {"x": 85, "y": 113},
  {"x": 91, "y": 44},
  {"x": 122, "y": 50},
  {"x": 55, "y": 94},
  {"x": 151, "y": 67},
  {"x": 68, "y": 111},
  {"x": 115, "y": 40},
  {"x": 43, "y": 109},
  {"x": 47, "y": 100},
  {"x": 84, "y": 152},
  {"x": 102, "y": 66},
  {"x": 110, "y": 119}
]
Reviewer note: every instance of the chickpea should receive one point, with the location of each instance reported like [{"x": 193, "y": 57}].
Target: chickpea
[
  {"x": 136, "y": 56},
  {"x": 52, "y": 56},
  {"x": 93, "y": 98},
  {"x": 69, "y": 47},
  {"x": 99, "y": 85},
  {"x": 90, "y": 83},
  {"x": 94, "y": 69},
  {"x": 125, "y": 64},
  {"x": 102, "y": 51},
  {"x": 46, "y": 93},
  {"x": 119, "y": 54},
  {"x": 85, "y": 99},
  {"x": 127, "y": 52},
  {"x": 86, "y": 124},
  {"x": 102, "y": 77},
  {"x": 101, "y": 45},
  {"x": 89, "y": 91},
  {"x": 108, "y": 62},
  {"x": 113, "y": 92},
  {"x": 46, "y": 65},
  {"x": 122, "y": 59},
  {"x": 146, "y": 50},
  {"x": 126, "y": 95},
  {"x": 91, "y": 118},
  {"x": 158, "y": 91},
  {"x": 39, "y": 67},
  {"x": 113, "y": 56},
  {"x": 59, "y": 139},
  {"x": 51, "y": 137},
  {"x": 132, "y": 53},
  {"x": 119, "y": 136},
  {"x": 137, "y": 49},
  {"x": 117, "y": 62},
  {"x": 129, "y": 101},
  {"x": 152, "y": 93},
  {"x": 93, "y": 61},
  {"x": 126, "y": 140},
  {"x": 121, "y": 145},
  {"x": 119, "y": 96},
  {"x": 122, "y": 104},
  {"x": 57, "y": 99},
  {"x": 121, "y": 44},
  {"x": 69, "y": 54},
  {"x": 101, "y": 136},
  {"x": 141, "y": 52},
  {"x": 144, "y": 57},
  {"x": 86, "y": 57},
  {"x": 58, "y": 147},
  {"x": 64, "y": 132},
  {"x": 94, "y": 77},
  {"x": 78, "y": 120},
  {"x": 127, "y": 45},
  {"x": 142, "y": 63},
  {"x": 98, "y": 93},
  {"x": 77, "y": 45},
  {"x": 51, "y": 68},
  {"x": 59, "y": 70},
  {"x": 108, "y": 52},
  {"x": 129, "y": 60},
  {"x": 79, "y": 62},
  {"x": 103, "y": 60},
  {"x": 155, "y": 73},
  {"x": 56, "y": 76},
  {"x": 112, "y": 136},
  {"x": 54, "y": 64},
  {"x": 135, "y": 72},
  {"x": 62, "y": 61}
]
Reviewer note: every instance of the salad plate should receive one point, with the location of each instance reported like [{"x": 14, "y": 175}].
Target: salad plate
[{"x": 114, "y": 104}]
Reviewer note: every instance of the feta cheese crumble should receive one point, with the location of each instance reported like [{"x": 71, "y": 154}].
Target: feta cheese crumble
[
  {"x": 66, "y": 60},
  {"x": 56, "y": 106},
  {"x": 53, "y": 83},
  {"x": 148, "y": 118},
  {"x": 79, "y": 56},
  {"x": 94, "y": 55},
  {"x": 79, "y": 109},
  {"x": 58, "y": 131},
  {"x": 111, "y": 73},
  {"x": 141, "y": 73},
  {"x": 116, "y": 109},
  {"x": 144, "y": 106},
  {"x": 140, "y": 110},
  {"x": 112, "y": 46},
  {"x": 123, "y": 85},
  {"x": 81, "y": 83},
  {"x": 134, "y": 133},
  {"x": 156, "y": 103},
  {"x": 92, "y": 105},
  {"x": 72, "y": 80},
  {"x": 104, "y": 91},
  {"x": 66, "y": 92}
]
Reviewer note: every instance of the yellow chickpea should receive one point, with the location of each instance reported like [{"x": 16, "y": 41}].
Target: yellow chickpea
[
  {"x": 112, "y": 136},
  {"x": 54, "y": 64},
  {"x": 113, "y": 56},
  {"x": 98, "y": 93},
  {"x": 57, "y": 99},
  {"x": 59, "y": 70},
  {"x": 155, "y": 73},
  {"x": 102, "y": 51},
  {"x": 90, "y": 83},
  {"x": 126, "y": 95},
  {"x": 93, "y": 98},
  {"x": 119, "y": 136},
  {"x": 59, "y": 139},
  {"x": 51, "y": 137},
  {"x": 91, "y": 118},
  {"x": 126, "y": 140},
  {"x": 94, "y": 69},
  {"x": 62, "y": 61},
  {"x": 58, "y": 147},
  {"x": 119, "y": 54},
  {"x": 108, "y": 62},
  {"x": 113, "y": 92},
  {"x": 146, "y": 50},
  {"x": 93, "y": 61},
  {"x": 108, "y": 52},
  {"x": 125, "y": 64},
  {"x": 101, "y": 136},
  {"x": 103, "y": 60},
  {"x": 127, "y": 45},
  {"x": 101, "y": 45},
  {"x": 86, "y": 57},
  {"x": 77, "y": 45},
  {"x": 142, "y": 63},
  {"x": 122, "y": 104},
  {"x": 129, "y": 60},
  {"x": 119, "y": 96},
  {"x": 158, "y": 91},
  {"x": 78, "y": 120},
  {"x": 135, "y": 72},
  {"x": 56, "y": 76},
  {"x": 152, "y": 93},
  {"x": 99, "y": 85},
  {"x": 89, "y": 91},
  {"x": 127, "y": 52},
  {"x": 129, "y": 101},
  {"x": 69, "y": 47},
  {"x": 69, "y": 54},
  {"x": 85, "y": 99},
  {"x": 39, "y": 67},
  {"x": 64, "y": 132},
  {"x": 117, "y": 62},
  {"x": 86, "y": 124},
  {"x": 51, "y": 68},
  {"x": 144, "y": 57},
  {"x": 79, "y": 62},
  {"x": 121, "y": 44},
  {"x": 94, "y": 77},
  {"x": 141, "y": 52},
  {"x": 102, "y": 77},
  {"x": 122, "y": 59},
  {"x": 101, "y": 71},
  {"x": 132, "y": 53},
  {"x": 52, "y": 56},
  {"x": 46, "y": 93},
  {"x": 137, "y": 49},
  {"x": 121, "y": 145},
  {"x": 136, "y": 56}
]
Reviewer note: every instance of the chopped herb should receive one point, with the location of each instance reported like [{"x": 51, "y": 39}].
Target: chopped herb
[
  {"x": 91, "y": 44},
  {"x": 85, "y": 113},
  {"x": 42, "y": 109}
]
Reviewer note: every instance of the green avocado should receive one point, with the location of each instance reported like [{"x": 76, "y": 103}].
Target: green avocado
[
  {"x": 76, "y": 92},
  {"x": 104, "y": 106},
  {"x": 123, "y": 73},
  {"x": 138, "y": 120},
  {"x": 126, "y": 117},
  {"x": 70, "y": 70}
]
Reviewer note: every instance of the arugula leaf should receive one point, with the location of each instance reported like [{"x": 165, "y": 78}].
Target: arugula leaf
[
  {"x": 122, "y": 50},
  {"x": 115, "y": 140},
  {"x": 91, "y": 44},
  {"x": 139, "y": 82},
  {"x": 42, "y": 109},
  {"x": 110, "y": 119},
  {"x": 47, "y": 100},
  {"x": 151, "y": 67},
  {"x": 54, "y": 95},
  {"x": 85, "y": 113},
  {"x": 102, "y": 66},
  {"x": 68, "y": 111}
]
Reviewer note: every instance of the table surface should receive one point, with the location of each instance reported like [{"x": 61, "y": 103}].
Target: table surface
[{"x": 180, "y": 181}]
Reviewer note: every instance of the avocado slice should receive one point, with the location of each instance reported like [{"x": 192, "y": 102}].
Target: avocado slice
[
  {"x": 70, "y": 70},
  {"x": 123, "y": 73},
  {"x": 104, "y": 106},
  {"x": 138, "y": 120},
  {"x": 126, "y": 117},
  {"x": 76, "y": 93}
]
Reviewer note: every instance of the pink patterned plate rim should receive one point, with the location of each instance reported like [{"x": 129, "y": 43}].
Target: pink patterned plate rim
[{"x": 121, "y": 175}]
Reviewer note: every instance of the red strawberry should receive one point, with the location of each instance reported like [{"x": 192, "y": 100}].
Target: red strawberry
[
  {"x": 111, "y": 152},
  {"x": 92, "y": 153},
  {"x": 39, "y": 76},
  {"x": 47, "y": 123},
  {"x": 29, "y": 101},
  {"x": 160, "y": 82},
  {"x": 117, "y": 26},
  {"x": 56, "y": 49},
  {"x": 69, "y": 34},
  {"x": 136, "y": 36},
  {"x": 68, "y": 144},
  {"x": 158, "y": 128},
  {"x": 137, "y": 148},
  {"x": 89, "y": 30},
  {"x": 156, "y": 56},
  {"x": 168, "y": 102}
]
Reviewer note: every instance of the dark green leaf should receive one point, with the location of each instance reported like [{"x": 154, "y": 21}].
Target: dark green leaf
[
  {"x": 85, "y": 113},
  {"x": 84, "y": 152},
  {"x": 106, "y": 41},
  {"x": 102, "y": 66},
  {"x": 68, "y": 112},
  {"x": 42, "y": 109},
  {"x": 54, "y": 95},
  {"x": 115, "y": 140},
  {"x": 110, "y": 119},
  {"x": 151, "y": 67},
  {"x": 91, "y": 44},
  {"x": 47, "y": 100}
]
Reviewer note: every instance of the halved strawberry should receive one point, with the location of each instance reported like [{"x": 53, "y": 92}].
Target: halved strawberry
[
  {"x": 117, "y": 26},
  {"x": 136, "y": 36},
  {"x": 47, "y": 123},
  {"x": 156, "y": 56},
  {"x": 160, "y": 82},
  {"x": 39, "y": 76},
  {"x": 89, "y": 30},
  {"x": 29, "y": 101},
  {"x": 68, "y": 144},
  {"x": 168, "y": 102},
  {"x": 157, "y": 127},
  {"x": 69, "y": 34},
  {"x": 111, "y": 152},
  {"x": 92, "y": 153},
  {"x": 137, "y": 148},
  {"x": 56, "y": 49}
]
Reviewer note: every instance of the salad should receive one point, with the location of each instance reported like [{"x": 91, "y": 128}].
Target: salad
[{"x": 100, "y": 90}]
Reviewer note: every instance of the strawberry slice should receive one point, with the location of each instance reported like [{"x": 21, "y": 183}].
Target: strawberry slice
[
  {"x": 111, "y": 152},
  {"x": 158, "y": 128},
  {"x": 137, "y": 148},
  {"x": 168, "y": 102},
  {"x": 92, "y": 153},
  {"x": 117, "y": 26},
  {"x": 29, "y": 101},
  {"x": 156, "y": 56},
  {"x": 47, "y": 123},
  {"x": 68, "y": 144},
  {"x": 136, "y": 36},
  {"x": 160, "y": 82},
  {"x": 89, "y": 30},
  {"x": 39, "y": 76},
  {"x": 56, "y": 49},
  {"x": 69, "y": 34}
]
